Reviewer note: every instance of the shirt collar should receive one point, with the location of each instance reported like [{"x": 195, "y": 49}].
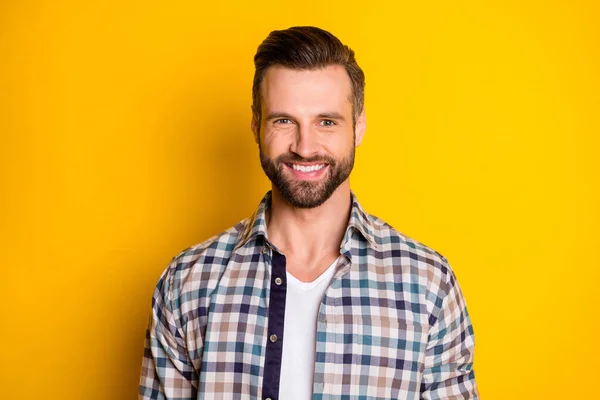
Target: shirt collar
[{"x": 359, "y": 221}]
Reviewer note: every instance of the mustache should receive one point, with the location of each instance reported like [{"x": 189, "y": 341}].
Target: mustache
[{"x": 295, "y": 158}]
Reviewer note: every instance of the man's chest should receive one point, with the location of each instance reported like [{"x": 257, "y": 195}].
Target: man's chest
[
  {"x": 369, "y": 344},
  {"x": 370, "y": 338}
]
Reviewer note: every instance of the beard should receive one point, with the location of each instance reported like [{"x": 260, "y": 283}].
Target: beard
[{"x": 310, "y": 193}]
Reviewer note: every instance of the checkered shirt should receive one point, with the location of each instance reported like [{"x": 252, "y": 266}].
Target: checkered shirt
[{"x": 393, "y": 323}]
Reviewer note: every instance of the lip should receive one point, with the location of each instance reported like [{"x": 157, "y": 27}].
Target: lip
[{"x": 312, "y": 175}]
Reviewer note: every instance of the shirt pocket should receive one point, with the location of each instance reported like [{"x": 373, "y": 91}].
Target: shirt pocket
[
  {"x": 389, "y": 355},
  {"x": 384, "y": 335}
]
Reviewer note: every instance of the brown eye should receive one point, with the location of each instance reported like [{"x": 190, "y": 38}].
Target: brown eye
[
  {"x": 327, "y": 122},
  {"x": 283, "y": 121}
]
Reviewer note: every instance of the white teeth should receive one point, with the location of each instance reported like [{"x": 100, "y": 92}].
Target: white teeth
[{"x": 309, "y": 168}]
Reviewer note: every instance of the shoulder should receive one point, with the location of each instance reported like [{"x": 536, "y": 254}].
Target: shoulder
[
  {"x": 213, "y": 249},
  {"x": 200, "y": 266},
  {"x": 417, "y": 268},
  {"x": 407, "y": 255}
]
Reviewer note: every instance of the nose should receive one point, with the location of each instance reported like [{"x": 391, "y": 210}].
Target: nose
[{"x": 306, "y": 143}]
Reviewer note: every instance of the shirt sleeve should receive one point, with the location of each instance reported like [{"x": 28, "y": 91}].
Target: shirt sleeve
[
  {"x": 448, "y": 372},
  {"x": 167, "y": 372}
]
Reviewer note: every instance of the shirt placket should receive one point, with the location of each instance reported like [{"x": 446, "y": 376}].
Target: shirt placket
[{"x": 276, "y": 316}]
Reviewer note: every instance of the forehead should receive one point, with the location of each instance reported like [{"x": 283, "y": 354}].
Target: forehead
[{"x": 306, "y": 89}]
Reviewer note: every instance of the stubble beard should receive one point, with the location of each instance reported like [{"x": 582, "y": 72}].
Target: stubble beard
[{"x": 307, "y": 194}]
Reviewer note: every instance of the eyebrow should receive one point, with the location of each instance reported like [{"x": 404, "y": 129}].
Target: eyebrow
[
  {"x": 332, "y": 115},
  {"x": 277, "y": 114},
  {"x": 328, "y": 115}
]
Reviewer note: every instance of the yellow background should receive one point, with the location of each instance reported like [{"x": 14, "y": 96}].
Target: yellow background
[{"x": 125, "y": 138}]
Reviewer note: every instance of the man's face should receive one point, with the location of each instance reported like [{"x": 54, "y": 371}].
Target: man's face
[{"x": 306, "y": 136}]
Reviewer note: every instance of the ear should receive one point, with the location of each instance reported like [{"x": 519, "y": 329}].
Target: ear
[
  {"x": 361, "y": 127},
  {"x": 255, "y": 127}
]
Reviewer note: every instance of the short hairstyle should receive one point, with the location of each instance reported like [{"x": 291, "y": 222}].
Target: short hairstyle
[{"x": 306, "y": 48}]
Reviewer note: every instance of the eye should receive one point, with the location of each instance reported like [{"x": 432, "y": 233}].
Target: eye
[
  {"x": 283, "y": 121},
  {"x": 327, "y": 122}
]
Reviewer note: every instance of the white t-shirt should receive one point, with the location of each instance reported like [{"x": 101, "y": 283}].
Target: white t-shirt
[{"x": 302, "y": 301}]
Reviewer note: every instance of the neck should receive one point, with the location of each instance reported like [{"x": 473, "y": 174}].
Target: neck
[{"x": 309, "y": 233}]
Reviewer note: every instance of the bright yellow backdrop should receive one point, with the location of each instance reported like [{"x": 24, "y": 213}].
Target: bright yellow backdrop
[{"x": 126, "y": 138}]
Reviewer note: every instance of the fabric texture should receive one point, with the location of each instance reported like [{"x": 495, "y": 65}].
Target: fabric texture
[{"x": 393, "y": 323}]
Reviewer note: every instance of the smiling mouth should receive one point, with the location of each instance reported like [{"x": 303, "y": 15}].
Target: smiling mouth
[
  {"x": 310, "y": 169},
  {"x": 307, "y": 168}
]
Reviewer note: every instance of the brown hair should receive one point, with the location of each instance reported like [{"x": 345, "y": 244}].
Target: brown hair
[{"x": 306, "y": 47}]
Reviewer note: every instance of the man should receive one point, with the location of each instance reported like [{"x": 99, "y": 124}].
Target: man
[{"x": 311, "y": 297}]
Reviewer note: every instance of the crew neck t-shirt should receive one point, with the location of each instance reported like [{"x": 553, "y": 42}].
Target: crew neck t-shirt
[{"x": 299, "y": 331}]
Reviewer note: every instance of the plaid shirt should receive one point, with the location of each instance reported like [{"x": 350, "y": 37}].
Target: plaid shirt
[{"x": 393, "y": 323}]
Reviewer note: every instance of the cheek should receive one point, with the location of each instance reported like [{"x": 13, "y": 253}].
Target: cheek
[
  {"x": 275, "y": 142},
  {"x": 340, "y": 144}
]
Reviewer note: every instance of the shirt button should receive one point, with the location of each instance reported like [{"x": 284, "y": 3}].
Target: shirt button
[
  {"x": 268, "y": 398},
  {"x": 264, "y": 250},
  {"x": 273, "y": 338},
  {"x": 278, "y": 281}
]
